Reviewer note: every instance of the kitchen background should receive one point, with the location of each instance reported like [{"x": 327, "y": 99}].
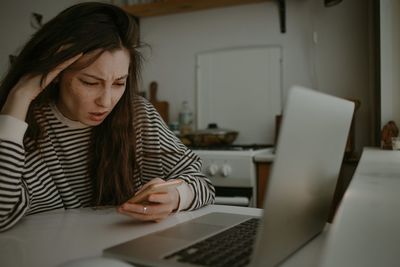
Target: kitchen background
[{"x": 331, "y": 49}]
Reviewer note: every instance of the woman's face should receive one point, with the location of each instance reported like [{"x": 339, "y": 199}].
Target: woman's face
[{"x": 89, "y": 95}]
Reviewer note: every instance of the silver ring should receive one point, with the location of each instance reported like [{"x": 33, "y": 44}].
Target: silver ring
[{"x": 144, "y": 209}]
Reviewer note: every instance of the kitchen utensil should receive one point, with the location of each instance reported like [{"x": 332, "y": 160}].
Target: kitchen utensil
[{"x": 212, "y": 136}]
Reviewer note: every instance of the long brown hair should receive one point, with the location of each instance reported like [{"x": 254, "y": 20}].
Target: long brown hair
[{"x": 83, "y": 28}]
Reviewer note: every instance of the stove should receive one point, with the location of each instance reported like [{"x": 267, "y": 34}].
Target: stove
[{"x": 232, "y": 170}]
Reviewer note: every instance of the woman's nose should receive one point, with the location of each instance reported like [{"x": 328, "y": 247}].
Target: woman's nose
[{"x": 105, "y": 98}]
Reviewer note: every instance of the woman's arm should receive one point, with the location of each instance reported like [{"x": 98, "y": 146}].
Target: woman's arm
[
  {"x": 14, "y": 198},
  {"x": 187, "y": 167},
  {"x": 177, "y": 161},
  {"x": 161, "y": 156}
]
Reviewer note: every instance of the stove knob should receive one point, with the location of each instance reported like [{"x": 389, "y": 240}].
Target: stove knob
[
  {"x": 212, "y": 169},
  {"x": 226, "y": 170}
]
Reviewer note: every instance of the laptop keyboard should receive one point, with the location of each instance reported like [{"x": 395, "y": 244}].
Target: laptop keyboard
[{"x": 232, "y": 247}]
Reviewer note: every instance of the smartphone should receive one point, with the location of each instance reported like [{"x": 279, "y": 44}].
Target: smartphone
[{"x": 155, "y": 188}]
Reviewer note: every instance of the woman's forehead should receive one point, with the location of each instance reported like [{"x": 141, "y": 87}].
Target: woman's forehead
[{"x": 107, "y": 64}]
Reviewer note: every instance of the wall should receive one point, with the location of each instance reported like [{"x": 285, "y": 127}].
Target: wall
[
  {"x": 390, "y": 60},
  {"x": 327, "y": 49},
  {"x": 344, "y": 63},
  {"x": 15, "y": 27}
]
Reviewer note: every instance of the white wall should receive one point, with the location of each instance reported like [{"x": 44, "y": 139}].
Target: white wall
[
  {"x": 339, "y": 63},
  {"x": 390, "y": 61},
  {"x": 15, "y": 27}
]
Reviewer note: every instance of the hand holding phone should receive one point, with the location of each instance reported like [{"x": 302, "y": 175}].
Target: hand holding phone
[{"x": 153, "y": 189}]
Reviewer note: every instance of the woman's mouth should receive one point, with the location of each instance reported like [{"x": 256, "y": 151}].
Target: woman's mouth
[{"x": 97, "y": 116}]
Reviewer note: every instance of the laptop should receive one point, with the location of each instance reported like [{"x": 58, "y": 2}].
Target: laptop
[{"x": 309, "y": 153}]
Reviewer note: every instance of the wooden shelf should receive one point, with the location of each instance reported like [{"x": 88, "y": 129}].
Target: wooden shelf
[{"x": 166, "y": 7}]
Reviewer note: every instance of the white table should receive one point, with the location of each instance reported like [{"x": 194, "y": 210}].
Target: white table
[
  {"x": 366, "y": 228},
  {"x": 56, "y": 237}
]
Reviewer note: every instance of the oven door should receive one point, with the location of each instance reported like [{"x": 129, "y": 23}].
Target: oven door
[
  {"x": 234, "y": 191},
  {"x": 234, "y": 196}
]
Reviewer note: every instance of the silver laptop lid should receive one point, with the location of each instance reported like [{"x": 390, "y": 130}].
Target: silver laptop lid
[{"x": 309, "y": 153}]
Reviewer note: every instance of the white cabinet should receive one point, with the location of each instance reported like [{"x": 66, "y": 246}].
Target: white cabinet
[{"x": 240, "y": 89}]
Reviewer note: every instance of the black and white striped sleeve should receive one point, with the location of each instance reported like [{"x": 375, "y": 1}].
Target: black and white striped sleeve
[
  {"x": 175, "y": 159},
  {"x": 14, "y": 200}
]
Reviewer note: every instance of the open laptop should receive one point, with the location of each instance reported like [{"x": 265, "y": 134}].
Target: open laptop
[{"x": 309, "y": 153}]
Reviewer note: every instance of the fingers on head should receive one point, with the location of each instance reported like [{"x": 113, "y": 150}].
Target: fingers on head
[
  {"x": 47, "y": 78},
  {"x": 59, "y": 68}
]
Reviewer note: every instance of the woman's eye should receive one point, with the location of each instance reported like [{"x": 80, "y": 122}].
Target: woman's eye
[
  {"x": 119, "y": 84},
  {"x": 88, "y": 83}
]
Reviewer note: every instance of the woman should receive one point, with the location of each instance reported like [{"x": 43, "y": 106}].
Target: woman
[{"x": 73, "y": 131}]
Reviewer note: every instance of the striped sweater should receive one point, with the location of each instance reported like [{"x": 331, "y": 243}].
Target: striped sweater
[{"x": 55, "y": 176}]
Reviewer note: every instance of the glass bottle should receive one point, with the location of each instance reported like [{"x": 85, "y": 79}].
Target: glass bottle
[{"x": 185, "y": 118}]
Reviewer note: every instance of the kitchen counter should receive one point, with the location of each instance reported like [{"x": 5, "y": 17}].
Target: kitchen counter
[
  {"x": 263, "y": 163},
  {"x": 268, "y": 156}
]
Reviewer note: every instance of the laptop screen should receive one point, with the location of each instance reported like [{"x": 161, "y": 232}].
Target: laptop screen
[{"x": 309, "y": 154}]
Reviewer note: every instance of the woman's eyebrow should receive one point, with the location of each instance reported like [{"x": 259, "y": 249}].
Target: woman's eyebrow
[
  {"x": 101, "y": 79},
  {"x": 122, "y": 77}
]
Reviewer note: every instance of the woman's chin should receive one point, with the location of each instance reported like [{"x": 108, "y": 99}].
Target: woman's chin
[{"x": 89, "y": 122}]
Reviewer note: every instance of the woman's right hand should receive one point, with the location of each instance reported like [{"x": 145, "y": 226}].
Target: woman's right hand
[{"x": 28, "y": 88}]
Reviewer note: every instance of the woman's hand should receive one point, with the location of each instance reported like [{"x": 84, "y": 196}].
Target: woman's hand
[
  {"x": 28, "y": 88},
  {"x": 156, "y": 207}
]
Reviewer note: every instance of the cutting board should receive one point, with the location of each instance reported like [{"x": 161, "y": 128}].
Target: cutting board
[{"x": 161, "y": 106}]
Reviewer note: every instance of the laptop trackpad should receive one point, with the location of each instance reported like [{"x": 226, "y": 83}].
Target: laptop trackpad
[{"x": 190, "y": 231}]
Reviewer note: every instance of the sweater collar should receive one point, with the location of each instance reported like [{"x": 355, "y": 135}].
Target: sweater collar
[{"x": 70, "y": 123}]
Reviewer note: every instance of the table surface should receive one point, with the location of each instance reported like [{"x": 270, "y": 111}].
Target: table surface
[{"x": 57, "y": 237}]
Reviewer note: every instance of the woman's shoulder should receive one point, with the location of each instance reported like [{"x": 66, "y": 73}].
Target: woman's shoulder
[
  {"x": 139, "y": 100},
  {"x": 43, "y": 113},
  {"x": 143, "y": 107},
  {"x": 145, "y": 114}
]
